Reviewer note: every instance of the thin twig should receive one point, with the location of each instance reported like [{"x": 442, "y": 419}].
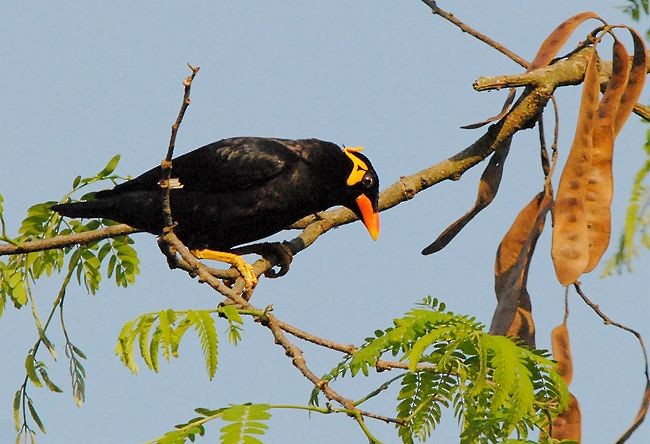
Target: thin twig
[
  {"x": 643, "y": 410},
  {"x": 294, "y": 331},
  {"x": 166, "y": 164},
  {"x": 379, "y": 389},
  {"x": 298, "y": 360},
  {"x": 609, "y": 321},
  {"x": 566, "y": 305},
  {"x": 474, "y": 33}
]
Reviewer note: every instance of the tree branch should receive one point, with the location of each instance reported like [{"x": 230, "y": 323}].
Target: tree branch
[
  {"x": 68, "y": 240},
  {"x": 565, "y": 72}
]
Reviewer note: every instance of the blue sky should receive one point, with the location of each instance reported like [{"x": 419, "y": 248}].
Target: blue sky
[{"x": 82, "y": 82}]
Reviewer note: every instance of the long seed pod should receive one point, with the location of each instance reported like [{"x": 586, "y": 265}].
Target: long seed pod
[
  {"x": 562, "y": 352},
  {"x": 487, "y": 190},
  {"x": 558, "y": 38},
  {"x": 600, "y": 181},
  {"x": 568, "y": 424},
  {"x": 635, "y": 82},
  {"x": 570, "y": 249},
  {"x": 512, "y": 316}
]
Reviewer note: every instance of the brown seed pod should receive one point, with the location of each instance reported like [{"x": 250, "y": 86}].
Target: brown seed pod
[
  {"x": 487, "y": 190},
  {"x": 570, "y": 248},
  {"x": 635, "y": 82},
  {"x": 513, "y": 316},
  {"x": 557, "y": 39},
  {"x": 568, "y": 424},
  {"x": 562, "y": 352},
  {"x": 600, "y": 182}
]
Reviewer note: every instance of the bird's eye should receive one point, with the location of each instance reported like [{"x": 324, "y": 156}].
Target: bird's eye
[{"x": 368, "y": 181}]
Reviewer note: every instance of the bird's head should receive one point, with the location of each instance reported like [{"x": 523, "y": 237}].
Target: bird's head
[{"x": 363, "y": 190}]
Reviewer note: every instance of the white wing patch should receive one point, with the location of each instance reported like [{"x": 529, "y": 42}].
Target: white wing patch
[{"x": 174, "y": 183}]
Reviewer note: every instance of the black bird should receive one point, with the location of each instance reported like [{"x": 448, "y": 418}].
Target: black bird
[{"x": 240, "y": 190}]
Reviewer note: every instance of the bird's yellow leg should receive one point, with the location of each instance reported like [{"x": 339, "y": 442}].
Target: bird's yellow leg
[{"x": 244, "y": 268}]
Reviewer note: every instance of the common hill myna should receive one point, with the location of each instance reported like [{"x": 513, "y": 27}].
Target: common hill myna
[{"x": 240, "y": 190}]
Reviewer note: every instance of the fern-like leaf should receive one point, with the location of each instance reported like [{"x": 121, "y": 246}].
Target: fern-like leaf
[
  {"x": 144, "y": 328},
  {"x": 124, "y": 347},
  {"x": 204, "y": 325},
  {"x": 245, "y": 421},
  {"x": 494, "y": 386}
]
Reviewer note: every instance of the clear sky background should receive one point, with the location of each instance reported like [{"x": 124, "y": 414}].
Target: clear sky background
[{"x": 83, "y": 82}]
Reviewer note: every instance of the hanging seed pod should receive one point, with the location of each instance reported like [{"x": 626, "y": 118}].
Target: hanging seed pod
[
  {"x": 562, "y": 352},
  {"x": 600, "y": 182},
  {"x": 513, "y": 316},
  {"x": 570, "y": 249},
  {"x": 487, "y": 190},
  {"x": 558, "y": 38},
  {"x": 635, "y": 82},
  {"x": 568, "y": 424}
]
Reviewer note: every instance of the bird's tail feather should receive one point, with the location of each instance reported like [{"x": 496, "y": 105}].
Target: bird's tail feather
[
  {"x": 91, "y": 208},
  {"x": 141, "y": 210}
]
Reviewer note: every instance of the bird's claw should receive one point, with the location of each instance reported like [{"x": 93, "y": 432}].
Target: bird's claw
[{"x": 244, "y": 268}]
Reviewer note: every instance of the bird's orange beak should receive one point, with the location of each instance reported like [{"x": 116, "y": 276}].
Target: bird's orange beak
[{"x": 369, "y": 216}]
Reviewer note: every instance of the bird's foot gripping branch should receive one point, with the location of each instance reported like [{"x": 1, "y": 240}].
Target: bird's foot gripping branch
[{"x": 244, "y": 268}]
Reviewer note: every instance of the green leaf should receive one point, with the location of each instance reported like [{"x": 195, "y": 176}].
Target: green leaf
[
  {"x": 168, "y": 338},
  {"x": 124, "y": 347},
  {"x": 110, "y": 167},
  {"x": 179, "y": 332},
  {"x": 48, "y": 382},
  {"x": 205, "y": 327},
  {"x": 144, "y": 327},
  {"x": 19, "y": 295},
  {"x": 78, "y": 374},
  {"x": 234, "y": 323},
  {"x": 16, "y": 408},
  {"x": 506, "y": 363},
  {"x": 231, "y": 313},
  {"x": 103, "y": 251},
  {"x": 78, "y": 352},
  {"x": 153, "y": 349},
  {"x": 34, "y": 414},
  {"x": 420, "y": 345},
  {"x": 111, "y": 266},
  {"x": 245, "y": 421},
  {"x": 30, "y": 367}
]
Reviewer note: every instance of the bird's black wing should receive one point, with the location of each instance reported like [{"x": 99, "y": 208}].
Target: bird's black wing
[{"x": 227, "y": 165}]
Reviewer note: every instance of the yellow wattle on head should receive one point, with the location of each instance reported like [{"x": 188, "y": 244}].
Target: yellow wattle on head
[{"x": 359, "y": 167}]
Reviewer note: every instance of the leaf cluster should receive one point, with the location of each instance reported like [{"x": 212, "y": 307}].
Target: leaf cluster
[
  {"x": 243, "y": 423},
  {"x": 635, "y": 7},
  {"x": 494, "y": 386},
  {"x": 164, "y": 330},
  {"x": 21, "y": 270}
]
